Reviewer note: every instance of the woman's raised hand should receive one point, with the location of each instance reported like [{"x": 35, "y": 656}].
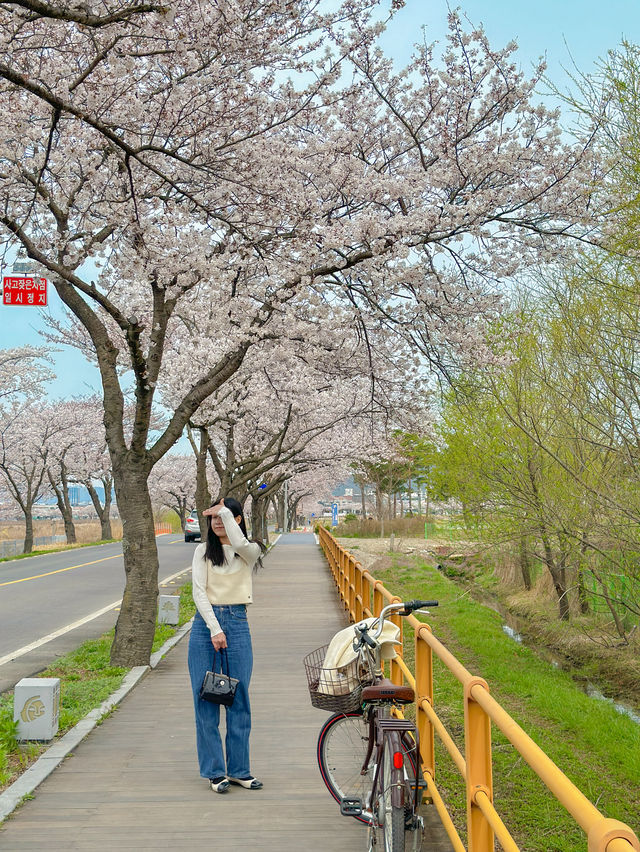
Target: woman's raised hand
[{"x": 213, "y": 510}]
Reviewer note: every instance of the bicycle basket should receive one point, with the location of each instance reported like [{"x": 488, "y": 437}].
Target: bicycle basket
[{"x": 336, "y": 690}]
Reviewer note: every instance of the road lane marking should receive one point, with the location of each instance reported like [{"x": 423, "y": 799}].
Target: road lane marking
[
  {"x": 61, "y": 570},
  {"x": 33, "y": 645},
  {"x": 13, "y": 655}
]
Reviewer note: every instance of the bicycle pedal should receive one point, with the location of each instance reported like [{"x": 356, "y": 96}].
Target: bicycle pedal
[
  {"x": 422, "y": 784},
  {"x": 351, "y": 807}
]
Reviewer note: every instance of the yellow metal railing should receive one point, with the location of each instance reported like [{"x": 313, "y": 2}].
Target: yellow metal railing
[{"x": 364, "y": 596}]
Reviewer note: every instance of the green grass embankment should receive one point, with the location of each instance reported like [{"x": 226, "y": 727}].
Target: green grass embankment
[
  {"x": 87, "y": 679},
  {"x": 594, "y": 745}
]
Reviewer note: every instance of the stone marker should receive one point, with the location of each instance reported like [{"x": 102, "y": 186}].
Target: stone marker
[
  {"x": 168, "y": 609},
  {"x": 36, "y": 707}
]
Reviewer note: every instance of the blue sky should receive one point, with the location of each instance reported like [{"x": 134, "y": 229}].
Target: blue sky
[{"x": 564, "y": 31}]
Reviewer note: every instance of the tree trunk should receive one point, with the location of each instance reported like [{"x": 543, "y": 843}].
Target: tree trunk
[
  {"x": 614, "y": 613},
  {"x": 525, "y": 565},
  {"x": 380, "y": 510},
  {"x": 105, "y": 519},
  {"x": 103, "y": 513},
  {"x": 203, "y": 497},
  {"x": 294, "y": 518},
  {"x": 27, "y": 547},
  {"x": 69, "y": 526},
  {"x": 259, "y": 529},
  {"x": 136, "y": 623},
  {"x": 557, "y": 575},
  {"x": 280, "y": 510},
  {"x": 183, "y": 512},
  {"x": 583, "y": 598},
  {"x": 180, "y": 508},
  {"x": 64, "y": 506}
]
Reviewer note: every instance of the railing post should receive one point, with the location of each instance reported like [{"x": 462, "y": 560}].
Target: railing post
[
  {"x": 352, "y": 586},
  {"x": 378, "y": 600},
  {"x": 396, "y": 672},
  {"x": 367, "y": 594},
  {"x": 424, "y": 691},
  {"x": 477, "y": 745},
  {"x": 358, "y": 596},
  {"x": 346, "y": 566}
]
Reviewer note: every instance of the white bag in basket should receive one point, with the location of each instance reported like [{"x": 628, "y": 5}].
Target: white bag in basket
[{"x": 339, "y": 667}]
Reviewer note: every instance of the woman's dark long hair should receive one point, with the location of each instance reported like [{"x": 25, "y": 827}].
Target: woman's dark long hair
[{"x": 214, "y": 550}]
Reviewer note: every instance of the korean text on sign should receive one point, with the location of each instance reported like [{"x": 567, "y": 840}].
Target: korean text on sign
[{"x": 24, "y": 291}]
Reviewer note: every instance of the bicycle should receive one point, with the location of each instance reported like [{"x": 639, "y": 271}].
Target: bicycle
[{"x": 369, "y": 759}]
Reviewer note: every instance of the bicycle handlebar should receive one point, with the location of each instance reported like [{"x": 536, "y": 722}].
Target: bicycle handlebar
[
  {"x": 402, "y": 608},
  {"x": 367, "y": 639},
  {"x": 411, "y": 606}
]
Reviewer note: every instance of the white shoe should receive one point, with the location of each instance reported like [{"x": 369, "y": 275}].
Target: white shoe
[
  {"x": 220, "y": 787},
  {"x": 247, "y": 783}
]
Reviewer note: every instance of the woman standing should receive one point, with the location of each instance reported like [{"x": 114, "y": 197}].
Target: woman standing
[{"x": 222, "y": 573}]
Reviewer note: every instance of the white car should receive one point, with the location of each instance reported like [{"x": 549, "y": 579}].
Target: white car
[{"x": 192, "y": 527}]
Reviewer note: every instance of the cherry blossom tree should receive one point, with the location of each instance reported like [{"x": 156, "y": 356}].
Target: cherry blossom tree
[
  {"x": 203, "y": 178},
  {"x": 173, "y": 484},
  {"x": 23, "y": 371},
  {"x": 77, "y": 455},
  {"x": 288, "y": 406},
  {"x": 91, "y": 465},
  {"x": 26, "y": 433},
  {"x": 307, "y": 486}
]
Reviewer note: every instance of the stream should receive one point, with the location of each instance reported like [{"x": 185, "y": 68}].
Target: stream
[{"x": 589, "y": 688}]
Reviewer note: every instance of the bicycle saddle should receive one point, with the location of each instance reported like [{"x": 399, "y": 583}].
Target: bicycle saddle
[{"x": 384, "y": 690}]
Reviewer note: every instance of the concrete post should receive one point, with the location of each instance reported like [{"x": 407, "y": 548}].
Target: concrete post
[
  {"x": 168, "y": 609},
  {"x": 36, "y": 707}
]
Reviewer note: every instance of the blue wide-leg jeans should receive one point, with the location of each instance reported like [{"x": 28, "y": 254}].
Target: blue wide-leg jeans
[{"x": 211, "y": 758}]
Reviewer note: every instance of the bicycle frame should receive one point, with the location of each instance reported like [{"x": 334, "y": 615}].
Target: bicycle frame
[{"x": 387, "y": 731}]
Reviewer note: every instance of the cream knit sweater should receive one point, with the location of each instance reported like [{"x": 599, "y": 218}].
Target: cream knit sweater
[{"x": 229, "y": 583}]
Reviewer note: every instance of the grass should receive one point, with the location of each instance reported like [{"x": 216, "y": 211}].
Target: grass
[
  {"x": 62, "y": 547},
  {"x": 87, "y": 679},
  {"x": 596, "y": 747}
]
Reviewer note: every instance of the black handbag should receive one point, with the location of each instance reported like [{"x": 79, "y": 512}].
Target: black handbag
[{"x": 219, "y": 688}]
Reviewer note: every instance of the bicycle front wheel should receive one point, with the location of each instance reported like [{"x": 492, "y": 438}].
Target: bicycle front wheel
[{"x": 342, "y": 749}]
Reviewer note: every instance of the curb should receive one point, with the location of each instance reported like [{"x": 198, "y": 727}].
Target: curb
[{"x": 53, "y": 756}]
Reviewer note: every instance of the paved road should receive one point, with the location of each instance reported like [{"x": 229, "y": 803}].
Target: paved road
[{"x": 46, "y": 594}]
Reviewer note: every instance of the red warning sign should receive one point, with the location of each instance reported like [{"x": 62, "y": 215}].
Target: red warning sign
[{"x": 18, "y": 290}]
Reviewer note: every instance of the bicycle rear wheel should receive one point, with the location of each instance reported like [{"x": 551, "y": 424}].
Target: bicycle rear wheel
[
  {"x": 391, "y": 818},
  {"x": 342, "y": 748}
]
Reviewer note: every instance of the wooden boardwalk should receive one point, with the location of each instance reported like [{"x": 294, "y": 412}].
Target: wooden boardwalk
[{"x": 133, "y": 784}]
